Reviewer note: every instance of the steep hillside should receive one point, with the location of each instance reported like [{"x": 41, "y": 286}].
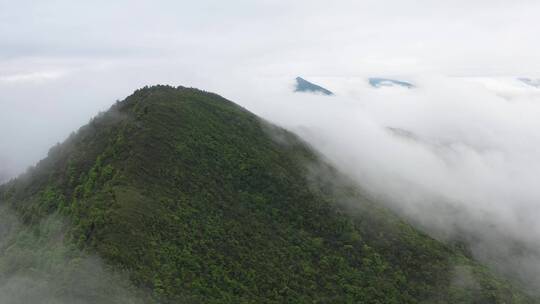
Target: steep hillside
[{"x": 201, "y": 202}]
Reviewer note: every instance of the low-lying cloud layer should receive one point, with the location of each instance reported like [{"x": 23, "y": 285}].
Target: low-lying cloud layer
[{"x": 455, "y": 156}]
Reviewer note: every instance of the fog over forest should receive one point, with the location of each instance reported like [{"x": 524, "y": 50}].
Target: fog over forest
[{"x": 456, "y": 153}]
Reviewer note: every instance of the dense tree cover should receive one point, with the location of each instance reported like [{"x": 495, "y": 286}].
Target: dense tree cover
[
  {"x": 38, "y": 266},
  {"x": 202, "y": 202}
]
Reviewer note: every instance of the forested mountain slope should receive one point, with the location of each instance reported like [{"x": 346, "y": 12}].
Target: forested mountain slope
[{"x": 199, "y": 201}]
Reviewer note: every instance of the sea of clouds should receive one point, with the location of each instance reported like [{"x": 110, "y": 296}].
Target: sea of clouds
[{"x": 457, "y": 156}]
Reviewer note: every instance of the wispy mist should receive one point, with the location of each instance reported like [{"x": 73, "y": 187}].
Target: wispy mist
[
  {"x": 455, "y": 156},
  {"x": 38, "y": 266}
]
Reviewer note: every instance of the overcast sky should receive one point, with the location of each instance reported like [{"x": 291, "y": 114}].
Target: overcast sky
[{"x": 62, "y": 61}]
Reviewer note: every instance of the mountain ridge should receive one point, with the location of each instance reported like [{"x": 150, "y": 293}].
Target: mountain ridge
[
  {"x": 201, "y": 201},
  {"x": 305, "y": 86}
]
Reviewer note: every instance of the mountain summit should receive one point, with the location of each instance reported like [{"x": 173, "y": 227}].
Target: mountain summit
[
  {"x": 199, "y": 201},
  {"x": 303, "y": 85}
]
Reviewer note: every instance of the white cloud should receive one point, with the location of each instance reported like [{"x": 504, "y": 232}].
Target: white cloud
[
  {"x": 465, "y": 163},
  {"x": 32, "y": 77}
]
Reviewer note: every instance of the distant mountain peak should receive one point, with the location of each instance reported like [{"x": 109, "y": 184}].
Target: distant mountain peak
[
  {"x": 377, "y": 82},
  {"x": 531, "y": 82},
  {"x": 303, "y": 85}
]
